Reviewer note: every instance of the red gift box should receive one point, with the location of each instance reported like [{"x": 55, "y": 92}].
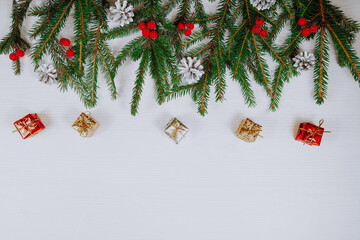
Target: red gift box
[
  {"x": 310, "y": 134},
  {"x": 29, "y": 125}
]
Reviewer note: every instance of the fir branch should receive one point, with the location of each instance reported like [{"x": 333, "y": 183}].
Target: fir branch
[
  {"x": 13, "y": 40},
  {"x": 343, "y": 49},
  {"x": 180, "y": 91},
  {"x": 220, "y": 72},
  {"x": 196, "y": 38},
  {"x": 64, "y": 75},
  {"x": 241, "y": 52},
  {"x": 119, "y": 32},
  {"x": 321, "y": 65},
  {"x": 140, "y": 77},
  {"x": 100, "y": 13},
  {"x": 236, "y": 32},
  {"x": 48, "y": 35},
  {"x": 204, "y": 88},
  {"x": 281, "y": 76},
  {"x": 263, "y": 75}
]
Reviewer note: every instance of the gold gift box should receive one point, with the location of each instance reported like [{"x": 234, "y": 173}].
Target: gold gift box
[
  {"x": 176, "y": 130},
  {"x": 248, "y": 130},
  {"x": 85, "y": 125}
]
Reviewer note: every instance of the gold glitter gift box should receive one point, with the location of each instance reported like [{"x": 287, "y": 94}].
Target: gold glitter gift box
[
  {"x": 248, "y": 130},
  {"x": 85, "y": 125},
  {"x": 176, "y": 130}
]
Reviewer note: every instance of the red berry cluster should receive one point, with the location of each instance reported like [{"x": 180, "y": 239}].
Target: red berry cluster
[
  {"x": 306, "y": 31},
  {"x": 146, "y": 27},
  {"x": 66, "y": 43},
  {"x": 17, "y": 54},
  {"x": 189, "y": 27},
  {"x": 257, "y": 28}
]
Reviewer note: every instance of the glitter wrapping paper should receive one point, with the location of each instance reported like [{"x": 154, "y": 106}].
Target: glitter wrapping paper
[
  {"x": 248, "y": 130},
  {"x": 29, "y": 125},
  {"x": 85, "y": 125},
  {"x": 176, "y": 130}
]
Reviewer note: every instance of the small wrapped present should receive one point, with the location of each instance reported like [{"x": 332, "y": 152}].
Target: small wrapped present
[
  {"x": 248, "y": 131},
  {"x": 176, "y": 130},
  {"x": 29, "y": 125},
  {"x": 310, "y": 134},
  {"x": 85, "y": 125}
]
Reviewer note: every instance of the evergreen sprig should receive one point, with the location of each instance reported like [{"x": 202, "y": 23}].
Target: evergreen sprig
[
  {"x": 332, "y": 23},
  {"x": 223, "y": 41},
  {"x": 14, "y": 39}
]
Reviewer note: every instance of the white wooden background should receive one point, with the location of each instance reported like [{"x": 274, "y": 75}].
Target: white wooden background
[{"x": 130, "y": 181}]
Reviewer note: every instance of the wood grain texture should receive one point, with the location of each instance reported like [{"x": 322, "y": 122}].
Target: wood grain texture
[{"x": 130, "y": 181}]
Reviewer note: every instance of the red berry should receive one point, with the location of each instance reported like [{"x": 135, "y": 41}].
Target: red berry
[
  {"x": 20, "y": 53},
  {"x": 181, "y": 26},
  {"x": 65, "y": 42},
  {"x": 13, "y": 57},
  {"x": 313, "y": 28},
  {"x": 256, "y": 29},
  {"x": 142, "y": 26},
  {"x": 151, "y": 25},
  {"x": 70, "y": 53},
  {"x": 259, "y": 21},
  {"x": 145, "y": 32},
  {"x": 190, "y": 26},
  {"x": 263, "y": 33},
  {"x": 153, "y": 35},
  {"x": 302, "y": 22},
  {"x": 306, "y": 32},
  {"x": 187, "y": 32}
]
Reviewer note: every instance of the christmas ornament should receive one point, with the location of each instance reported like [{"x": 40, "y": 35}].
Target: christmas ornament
[
  {"x": 13, "y": 56},
  {"x": 304, "y": 61},
  {"x": 310, "y": 134},
  {"x": 248, "y": 130},
  {"x": 302, "y": 22},
  {"x": 70, "y": 53},
  {"x": 153, "y": 35},
  {"x": 122, "y": 13},
  {"x": 47, "y": 73},
  {"x": 255, "y": 29},
  {"x": 191, "y": 70},
  {"x": 262, "y": 4},
  {"x": 65, "y": 42},
  {"x": 85, "y": 125},
  {"x": 181, "y": 26},
  {"x": 176, "y": 130},
  {"x": 259, "y": 21},
  {"x": 29, "y": 125},
  {"x": 151, "y": 25},
  {"x": 20, "y": 53}
]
